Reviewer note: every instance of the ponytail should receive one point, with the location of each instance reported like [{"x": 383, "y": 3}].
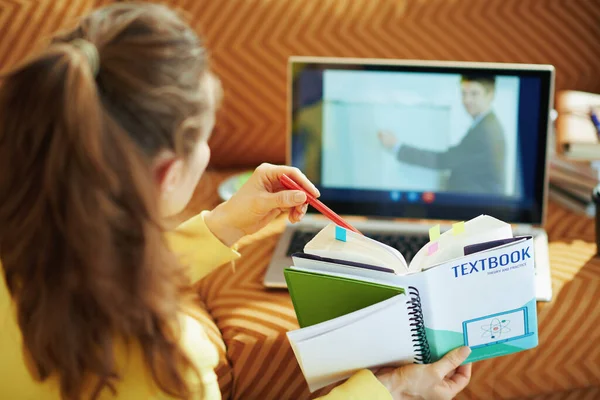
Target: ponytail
[{"x": 81, "y": 246}]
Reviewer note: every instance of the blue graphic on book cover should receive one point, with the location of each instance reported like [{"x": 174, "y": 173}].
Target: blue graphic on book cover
[{"x": 496, "y": 328}]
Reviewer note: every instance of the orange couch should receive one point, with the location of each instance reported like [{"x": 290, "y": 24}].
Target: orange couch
[{"x": 250, "y": 41}]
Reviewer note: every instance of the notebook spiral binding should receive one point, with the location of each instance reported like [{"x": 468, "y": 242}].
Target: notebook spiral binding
[{"x": 417, "y": 327}]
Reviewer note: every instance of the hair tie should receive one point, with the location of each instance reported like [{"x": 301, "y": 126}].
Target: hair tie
[{"x": 91, "y": 53}]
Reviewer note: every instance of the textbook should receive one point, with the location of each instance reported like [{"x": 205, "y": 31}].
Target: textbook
[{"x": 360, "y": 305}]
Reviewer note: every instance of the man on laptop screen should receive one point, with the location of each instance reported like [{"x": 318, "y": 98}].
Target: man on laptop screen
[
  {"x": 477, "y": 163},
  {"x": 435, "y": 146}
]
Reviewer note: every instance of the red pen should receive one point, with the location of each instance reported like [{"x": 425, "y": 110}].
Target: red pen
[{"x": 288, "y": 183}]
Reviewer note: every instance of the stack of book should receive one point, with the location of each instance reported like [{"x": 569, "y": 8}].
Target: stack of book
[
  {"x": 572, "y": 183},
  {"x": 575, "y": 161}
]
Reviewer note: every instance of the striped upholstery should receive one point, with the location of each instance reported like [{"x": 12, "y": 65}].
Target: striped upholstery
[
  {"x": 566, "y": 364},
  {"x": 250, "y": 41},
  {"x": 250, "y": 49},
  {"x": 589, "y": 393}
]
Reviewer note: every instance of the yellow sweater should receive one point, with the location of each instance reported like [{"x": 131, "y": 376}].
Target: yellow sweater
[{"x": 200, "y": 249}]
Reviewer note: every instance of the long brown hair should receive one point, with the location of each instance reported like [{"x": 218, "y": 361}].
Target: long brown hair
[{"x": 81, "y": 242}]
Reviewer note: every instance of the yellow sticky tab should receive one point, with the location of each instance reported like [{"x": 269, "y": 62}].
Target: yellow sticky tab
[
  {"x": 434, "y": 233},
  {"x": 458, "y": 228}
]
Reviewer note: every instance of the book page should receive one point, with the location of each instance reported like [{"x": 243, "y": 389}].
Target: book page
[
  {"x": 450, "y": 246},
  {"x": 355, "y": 247},
  {"x": 361, "y": 274},
  {"x": 379, "y": 335}
]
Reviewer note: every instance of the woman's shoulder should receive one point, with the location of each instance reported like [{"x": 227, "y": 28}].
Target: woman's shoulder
[
  {"x": 203, "y": 353},
  {"x": 197, "y": 344}
]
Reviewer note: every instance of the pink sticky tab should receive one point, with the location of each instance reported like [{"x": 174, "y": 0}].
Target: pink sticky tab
[{"x": 433, "y": 247}]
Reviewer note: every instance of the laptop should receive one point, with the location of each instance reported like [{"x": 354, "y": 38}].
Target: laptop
[{"x": 396, "y": 145}]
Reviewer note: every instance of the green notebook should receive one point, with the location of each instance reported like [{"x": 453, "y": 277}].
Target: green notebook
[{"x": 318, "y": 298}]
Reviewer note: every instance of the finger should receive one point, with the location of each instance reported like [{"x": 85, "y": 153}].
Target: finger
[
  {"x": 300, "y": 214},
  {"x": 303, "y": 181},
  {"x": 460, "y": 379},
  {"x": 274, "y": 172},
  {"x": 451, "y": 361},
  {"x": 297, "y": 213},
  {"x": 294, "y": 215},
  {"x": 284, "y": 199},
  {"x": 271, "y": 215},
  {"x": 465, "y": 370},
  {"x": 301, "y": 210}
]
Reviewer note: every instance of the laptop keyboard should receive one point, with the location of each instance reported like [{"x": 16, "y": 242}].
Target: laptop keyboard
[{"x": 408, "y": 245}]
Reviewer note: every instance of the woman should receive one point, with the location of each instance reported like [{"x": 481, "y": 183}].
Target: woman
[{"x": 103, "y": 138}]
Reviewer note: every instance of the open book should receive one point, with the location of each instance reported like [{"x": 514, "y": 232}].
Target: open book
[{"x": 359, "y": 304}]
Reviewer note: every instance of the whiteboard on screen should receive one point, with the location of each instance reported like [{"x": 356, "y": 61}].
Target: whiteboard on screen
[{"x": 353, "y": 156}]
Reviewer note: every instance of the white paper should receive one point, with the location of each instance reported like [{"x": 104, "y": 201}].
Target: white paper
[{"x": 375, "y": 336}]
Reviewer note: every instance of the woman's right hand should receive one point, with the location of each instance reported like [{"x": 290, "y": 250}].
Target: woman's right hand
[{"x": 441, "y": 380}]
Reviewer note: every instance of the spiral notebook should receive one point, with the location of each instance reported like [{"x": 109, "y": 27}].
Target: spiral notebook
[{"x": 368, "y": 314}]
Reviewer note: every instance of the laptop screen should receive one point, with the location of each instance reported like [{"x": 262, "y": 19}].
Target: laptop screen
[{"x": 422, "y": 140}]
